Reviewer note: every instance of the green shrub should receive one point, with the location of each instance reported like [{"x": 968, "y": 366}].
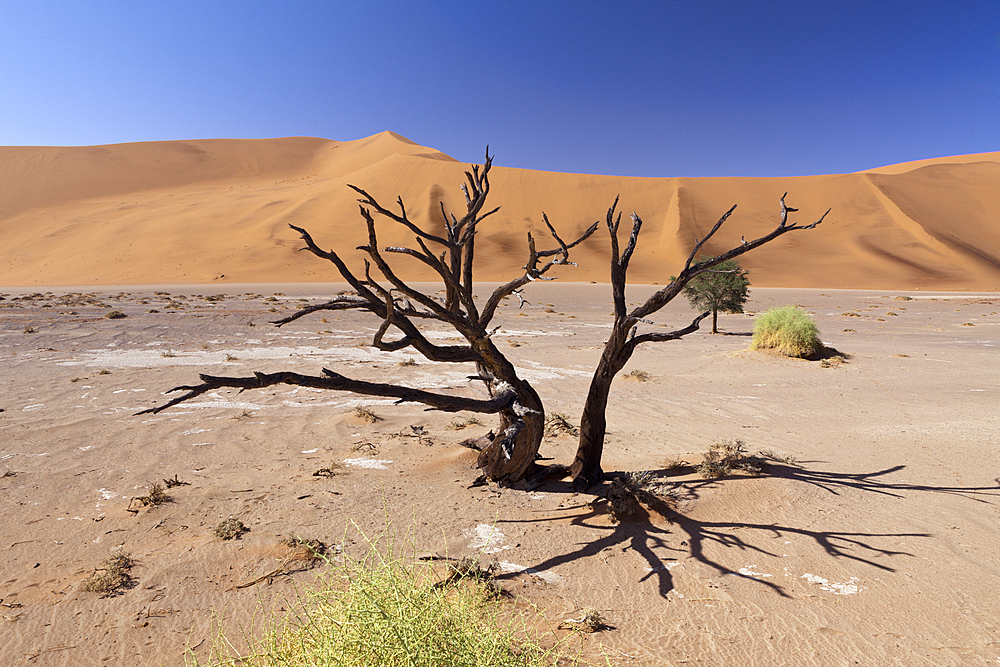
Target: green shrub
[
  {"x": 788, "y": 330},
  {"x": 386, "y": 610}
]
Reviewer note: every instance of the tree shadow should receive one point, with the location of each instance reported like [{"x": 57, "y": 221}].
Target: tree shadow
[{"x": 650, "y": 541}]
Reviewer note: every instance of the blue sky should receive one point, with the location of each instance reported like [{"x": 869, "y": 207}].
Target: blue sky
[{"x": 667, "y": 88}]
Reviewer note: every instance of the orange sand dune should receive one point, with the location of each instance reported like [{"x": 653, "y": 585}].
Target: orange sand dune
[{"x": 219, "y": 210}]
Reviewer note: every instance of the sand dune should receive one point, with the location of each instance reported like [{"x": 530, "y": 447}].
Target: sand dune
[{"x": 218, "y": 210}]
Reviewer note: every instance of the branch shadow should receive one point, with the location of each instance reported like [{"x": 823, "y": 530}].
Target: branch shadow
[{"x": 650, "y": 541}]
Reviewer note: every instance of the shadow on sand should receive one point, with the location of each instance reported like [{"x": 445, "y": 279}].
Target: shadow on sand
[{"x": 651, "y": 541}]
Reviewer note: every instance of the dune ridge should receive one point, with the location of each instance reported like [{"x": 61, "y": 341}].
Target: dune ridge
[{"x": 218, "y": 210}]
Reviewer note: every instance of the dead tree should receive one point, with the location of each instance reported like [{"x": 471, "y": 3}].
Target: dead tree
[
  {"x": 624, "y": 338},
  {"x": 509, "y": 455}
]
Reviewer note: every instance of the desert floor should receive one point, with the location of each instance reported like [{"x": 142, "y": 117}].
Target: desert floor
[{"x": 876, "y": 543}]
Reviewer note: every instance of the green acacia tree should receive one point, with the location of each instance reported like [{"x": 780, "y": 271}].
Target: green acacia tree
[{"x": 724, "y": 288}]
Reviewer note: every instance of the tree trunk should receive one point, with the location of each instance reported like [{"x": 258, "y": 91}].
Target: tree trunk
[
  {"x": 715, "y": 320},
  {"x": 586, "y": 469},
  {"x": 512, "y": 453}
]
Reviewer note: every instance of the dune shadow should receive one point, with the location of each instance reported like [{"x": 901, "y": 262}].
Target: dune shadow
[{"x": 652, "y": 543}]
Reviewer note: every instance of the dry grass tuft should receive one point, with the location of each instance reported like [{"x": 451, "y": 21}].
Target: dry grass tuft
[
  {"x": 112, "y": 577},
  {"x": 155, "y": 495},
  {"x": 173, "y": 482},
  {"x": 459, "y": 424},
  {"x": 789, "y": 459},
  {"x": 590, "y": 622},
  {"x": 230, "y": 528},
  {"x": 366, "y": 415},
  {"x": 638, "y": 375},
  {"x": 559, "y": 424},
  {"x": 629, "y": 492},
  {"x": 305, "y": 549},
  {"x": 726, "y": 456},
  {"x": 833, "y": 362}
]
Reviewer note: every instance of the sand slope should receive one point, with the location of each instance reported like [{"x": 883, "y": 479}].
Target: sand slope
[{"x": 207, "y": 210}]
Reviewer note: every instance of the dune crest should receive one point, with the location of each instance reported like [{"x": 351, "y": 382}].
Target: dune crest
[{"x": 219, "y": 209}]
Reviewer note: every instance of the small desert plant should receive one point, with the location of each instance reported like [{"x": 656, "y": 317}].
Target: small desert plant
[
  {"x": 230, "y": 528},
  {"x": 155, "y": 495},
  {"x": 629, "y": 490},
  {"x": 558, "y": 424},
  {"x": 459, "y": 424},
  {"x": 788, "y": 330},
  {"x": 111, "y": 577},
  {"x": 591, "y": 621},
  {"x": 309, "y": 550},
  {"x": 384, "y": 609},
  {"x": 114, "y": 315},
  {"x": 168, "y": 354},
  {"x": 366, "y": 415},
  {"x": 833, "y": 361},
  {"x": 230, "y": 357},
  {"x": 172, "y": 482},
  {"x": 789, "y": 459},
  {"x": 408, "y": 362},
  {"x": 103, "y": 371},
  {"x": 725, "y": 456},
  {"x": 638, "y": 375}
]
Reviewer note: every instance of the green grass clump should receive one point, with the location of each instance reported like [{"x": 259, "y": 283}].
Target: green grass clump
[
  {"x": 390, "y": 611},
  {"x": 788, "y": 330}
]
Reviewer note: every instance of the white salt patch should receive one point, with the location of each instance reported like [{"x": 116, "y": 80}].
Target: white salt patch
[
  {"x": 544, "y": 575},
  {"x": 85, "y": 449},
  {"x": 107, "y": 495},
  {"x": 196, "y": 430},
  {"x": 372, "y": 464},
  {"x": 309, "y": 451},
  {"x": 486, "y": 538},
  {"x": 532, "y": 334},
  {"x": 29, "y": 408},
  {"x": 202, "y": 444},
  {"x": 747, "y": 572},
  {"x": 846, "y": 588}
]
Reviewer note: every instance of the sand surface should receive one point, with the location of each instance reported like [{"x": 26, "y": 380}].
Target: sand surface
[
  {"x": 207, "y": 211},
  {"x": 879, "y": 546}
]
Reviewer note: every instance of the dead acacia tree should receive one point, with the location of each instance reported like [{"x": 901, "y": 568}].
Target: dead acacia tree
[
  {"x": 624, "y": 338},
  {"x": 509, "y": 455}
]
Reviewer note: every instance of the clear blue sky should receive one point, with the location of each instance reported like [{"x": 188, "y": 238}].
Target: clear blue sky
[{"x": 669, "y": 88}]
